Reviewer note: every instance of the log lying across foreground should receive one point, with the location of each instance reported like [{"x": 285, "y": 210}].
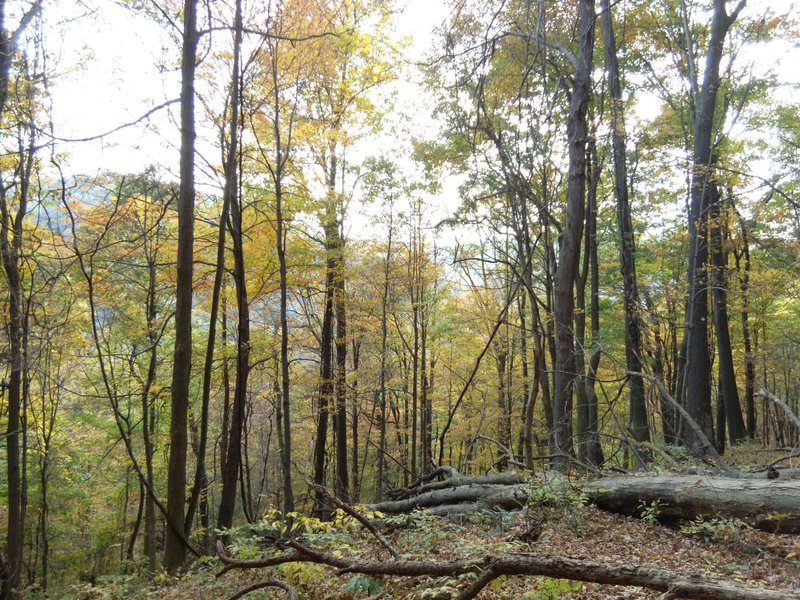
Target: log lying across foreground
[
  {"x": 488, "y": 568},
  {"x": 769, "y": 505}
]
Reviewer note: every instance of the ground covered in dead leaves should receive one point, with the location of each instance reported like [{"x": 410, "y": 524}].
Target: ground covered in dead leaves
[{"x": 723, "y": 548}]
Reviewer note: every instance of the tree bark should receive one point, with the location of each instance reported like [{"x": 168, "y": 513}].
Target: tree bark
[
  {"x": 325, "y": 390},
  {"x": 234, "y": 202},
  {"x": 637, "y": 412},
  {"x": 719, "y": 280},
  {"x": 175, "y": 549},
  {"x": 11, "y": 238},
  {"x": 695, "y": 388},
  {"x": 770, "y": 505},
  {"x": 570, "y": 242}
]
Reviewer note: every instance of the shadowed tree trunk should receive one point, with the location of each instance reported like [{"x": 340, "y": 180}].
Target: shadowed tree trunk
[
  {"x": 325, "y": 390},
  {"x": 233, "y": 201},
  {"x": 729, "y": 399},
  {"x": 695, "y": 382},
  {"x": 749, "y": 365},
  {"x": 11, "y": 232},
  {"x": 570, "y": 243},
  {"x": 637, "y": 413},
  {"x": 175, "y": 549}
]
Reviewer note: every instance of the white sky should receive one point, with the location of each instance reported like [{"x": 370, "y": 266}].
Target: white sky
[{"x": 115, "y": 66}]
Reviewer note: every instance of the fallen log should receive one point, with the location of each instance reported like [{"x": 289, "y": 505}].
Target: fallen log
[
  {"x": 770, "y": 505},
  {"x": 488, "y": 568},
  {"x": 456, "y": 480},
  {"x": 491, "y": 495}
]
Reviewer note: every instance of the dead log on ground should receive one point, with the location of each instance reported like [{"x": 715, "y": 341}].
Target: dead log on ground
[
  {"x": 770, "y": 505},
  {"x": 496, "y": 495},
  {"x": 491, "y": 567},
  {"x": 454, "y": 480}
]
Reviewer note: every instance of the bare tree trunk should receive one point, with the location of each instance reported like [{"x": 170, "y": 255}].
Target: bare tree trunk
[
  {"x": 570, "y": 242},
  {"x": 340, "y": 416},
  {"x": 695, "y": 383},
  {"x": 727, "y": 377},
  {"x": 382, "y": 479},
  {"x": 148, "y": 426},
  {"x": 231, "y": 198},
  {"x": 11, "y": 242},
  {"x": 637, "y": 412},
  {"x": 325, "y": 390},
  {"x": 749, "y": 364},
  {"x": 175, "y": 549}
]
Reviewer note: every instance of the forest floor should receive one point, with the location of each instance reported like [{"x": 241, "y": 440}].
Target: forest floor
[
  {"x": 723, "y": 548},
  {"x": 553, "y": 524}
]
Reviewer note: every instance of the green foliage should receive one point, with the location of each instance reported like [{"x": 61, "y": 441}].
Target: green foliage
[
  {"x": 650, "y": 512},
  {"x": 548, "y": 588},
  {"x": 724, "y": 529},
  {"x": 556, "y": 495},
  {"x": 363, "y": 584}
]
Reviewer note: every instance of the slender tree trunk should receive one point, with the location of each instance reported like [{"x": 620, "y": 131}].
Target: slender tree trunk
[
  {"x": 11, "y": 238},
  {"x": 175, "y": 549},
  {"x": 148, "y": 426},
  {"x": 695, "y": 382},
  {"x": 637, "y": 412},
  {"x": 281, "y": 157},
  {"x": 729, "y": 393},
  {"x": 354, "y": 413},
  {"x": 749, "y": 364},
  {"x": 382, "y": 479},
  {"x": 340, "y": 417},
  {"x": 594, "y": 450},
  {"x": 325, "y": 389},
  {"x": 233, "y": 201},
  {"x": 570, "y": 242},
  {"x": 413, "y": 284}
]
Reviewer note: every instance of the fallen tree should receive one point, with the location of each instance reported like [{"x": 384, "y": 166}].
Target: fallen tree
[
  {"x": 488, "y": 568},
  {"x": 767, "y": 504},
  {"x": 770, "y": 505}
]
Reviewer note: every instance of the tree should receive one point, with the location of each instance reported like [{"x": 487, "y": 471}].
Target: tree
[
  {"x": 15, "y": 190},
  {"x": 175, "y": 549},
  {"x": 570, "y": 240},
  {"x": 695, "y": 389},
  {"x": 232, "y": 199},
  {"x": 637, "y": 413}
]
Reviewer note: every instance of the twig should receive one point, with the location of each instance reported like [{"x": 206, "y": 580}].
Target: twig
[
  {"x": 356, "y": 515},
  {"x": 265, "y": 584}
]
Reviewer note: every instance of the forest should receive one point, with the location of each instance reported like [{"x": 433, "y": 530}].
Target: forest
[{"x": 405, "y": 300}]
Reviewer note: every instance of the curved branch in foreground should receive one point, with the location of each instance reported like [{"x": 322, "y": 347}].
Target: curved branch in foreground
[
  {"x": 490, "y": 567},
  {"x": 265, "y": 584}
]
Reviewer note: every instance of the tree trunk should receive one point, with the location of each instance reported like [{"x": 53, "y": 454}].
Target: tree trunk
[
  {"x": 325, "y": 390},
  {"x": 281, "y": 157},
  {"x": 234, "y": 202},
  {"x": 749, "y": 364},
  {"x": 695, "y": 385},
  {"x": 381, "y": 483},
  {"x": 148, "y": 425},
  {"x": 719, "y": 287},
  {"x": 340, "y": 416},
  {"x": 637, "y": 412},
  {"x": 770, "y": 505},
  {"x": 11, "y": 232},
  {"x": 570, "y": 242},
  {"x": 175, "y": 549}
]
